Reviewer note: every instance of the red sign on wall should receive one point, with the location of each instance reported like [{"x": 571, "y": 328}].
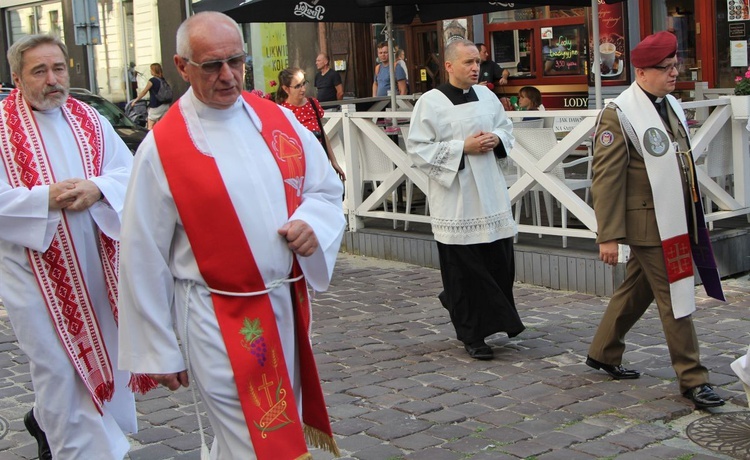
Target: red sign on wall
[{"x": 613, "y": 64}]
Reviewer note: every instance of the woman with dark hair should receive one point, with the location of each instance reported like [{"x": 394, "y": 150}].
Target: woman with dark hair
[
  {"x": 156, "y": 108},
  {"x": 291, "y": 94}
]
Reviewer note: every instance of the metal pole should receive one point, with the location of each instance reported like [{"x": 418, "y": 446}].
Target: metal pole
[
  {"x": 597, "y": 55},
  {"x": 391, "y": 57},
  {"x": 90, "y": 50}
]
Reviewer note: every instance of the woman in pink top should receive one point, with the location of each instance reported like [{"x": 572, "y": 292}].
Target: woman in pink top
[{"x": 291, "y": 94}]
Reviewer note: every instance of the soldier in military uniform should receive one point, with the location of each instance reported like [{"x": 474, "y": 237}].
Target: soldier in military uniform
[{"x": 645, "y": 195}]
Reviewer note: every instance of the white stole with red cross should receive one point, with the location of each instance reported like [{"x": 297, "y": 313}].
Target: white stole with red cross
[
  {"x": 60, "y": 279},
  {"x": 663, "y": 169}
]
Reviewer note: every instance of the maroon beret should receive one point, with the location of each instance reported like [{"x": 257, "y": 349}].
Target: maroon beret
[{"x": 654, "y": 49}]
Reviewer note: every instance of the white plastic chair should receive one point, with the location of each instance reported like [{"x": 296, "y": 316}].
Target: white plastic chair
[
  {"x": 409, "y": 184},
  {"x": 538, "y": 142},
  {"x": 718, "y": 163},
  {"x": 538, "y": 123},
  {"x": 375, "y": 168}
]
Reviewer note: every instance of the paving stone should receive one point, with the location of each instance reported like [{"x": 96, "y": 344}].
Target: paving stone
[
  {"x": 400, "y": 429},
  {"x": 153, "y": 435},
  {"x": 600, "y": 448},
  {"x": 416, "y": 442},
  {"x": 152, "y": 452},
  {"x": 525, "y": 449}
]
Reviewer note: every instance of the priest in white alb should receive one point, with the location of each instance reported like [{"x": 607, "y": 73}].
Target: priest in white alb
[
  {"x": 232, "y": 209},
  {"x": 60, "y": 202},
  {"x": 458, "y": 133}
]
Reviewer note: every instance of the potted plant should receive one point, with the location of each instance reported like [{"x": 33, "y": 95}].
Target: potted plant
[{"x": 741, "y": 99}]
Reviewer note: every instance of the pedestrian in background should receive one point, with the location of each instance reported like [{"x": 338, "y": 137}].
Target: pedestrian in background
[
  {"x": 156, "y": 107},
  {"x": 457, "y": 133},
  {"x": 490, "y": 73},
  {"x": 61, "y": 195},
  {"x": 292, "y": 94},
  {"x": 133, "y": 80},
  {"x": 401, "y": 62},
  {"x": 231, "y": 210},
  {"x": 645, "y": 195},
  {"x": 327, "y": 81},
  {"x": 381, "y": 84}
]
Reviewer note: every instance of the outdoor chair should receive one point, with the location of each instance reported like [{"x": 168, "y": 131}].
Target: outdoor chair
[
  {"x": 717, "y": 163},
  {"x": 538, "y": 142}
]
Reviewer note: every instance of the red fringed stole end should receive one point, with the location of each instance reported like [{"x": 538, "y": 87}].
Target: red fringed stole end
[
  {"x": 105, "y": 391},
  {"x": 321, "y": 440},
  {"x": 102, "y": 393},
  {"x": 141, "y": 383}
]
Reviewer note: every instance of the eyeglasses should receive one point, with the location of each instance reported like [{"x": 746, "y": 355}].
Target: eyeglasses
[
  {"x": 211, "y": 67},
  {"x": 669, "y": 68},
  {"x": 300, "y": 85}
]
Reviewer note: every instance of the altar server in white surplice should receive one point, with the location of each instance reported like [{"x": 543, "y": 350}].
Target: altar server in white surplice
[
  {"x": 233, "y": 207},
  {"x": 458, "y": 132},
  {"x": 60, "y": 201}
]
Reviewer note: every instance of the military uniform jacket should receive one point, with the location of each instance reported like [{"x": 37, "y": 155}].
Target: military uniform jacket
[{"x": 622, "y": 196}]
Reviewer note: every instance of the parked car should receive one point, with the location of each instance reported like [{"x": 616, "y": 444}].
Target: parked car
[{"x": 128, "y": 131}]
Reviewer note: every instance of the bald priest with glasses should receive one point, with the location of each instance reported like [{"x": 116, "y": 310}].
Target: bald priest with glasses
[
  {"x": 646, "y": 195},
  {"x": 232, "y": 211}
]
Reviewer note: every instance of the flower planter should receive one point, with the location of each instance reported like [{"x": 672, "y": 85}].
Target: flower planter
[{"x": 740, "y": 106}]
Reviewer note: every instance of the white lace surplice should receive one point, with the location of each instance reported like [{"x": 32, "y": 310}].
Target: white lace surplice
[{"x": 472, "y": 205}]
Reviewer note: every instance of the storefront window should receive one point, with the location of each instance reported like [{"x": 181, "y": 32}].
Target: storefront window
[
  {"x": 44, "y": 18},
  {"x": 677, "y": 16},
  {"x": 540, "y": 43},
  {"x": 563, "y": 50},
  {"x": 530, "y": 14},
  {"x": 730, "y": 29}
]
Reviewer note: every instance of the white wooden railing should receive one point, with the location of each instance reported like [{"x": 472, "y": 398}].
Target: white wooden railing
[{"x": 356, "y": 134}]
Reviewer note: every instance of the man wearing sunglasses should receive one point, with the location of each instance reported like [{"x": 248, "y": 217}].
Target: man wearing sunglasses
[
  {"x": 231, "y": 211},
  {"x": 646, "y": 195}
]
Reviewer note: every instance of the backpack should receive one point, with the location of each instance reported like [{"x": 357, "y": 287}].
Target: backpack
[{"x": 164, "y": 93}]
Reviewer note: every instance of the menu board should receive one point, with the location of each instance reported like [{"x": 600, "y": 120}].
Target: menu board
[
  {"x": 563, "y": 48},
  {"x": 613, "y": 65},
  {"x": 505, "y": 48}
]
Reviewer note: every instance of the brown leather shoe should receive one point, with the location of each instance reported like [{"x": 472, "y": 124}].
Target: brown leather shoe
[
  {"x": 41, "y": 439},
  {"x": 616, "y": 372}
]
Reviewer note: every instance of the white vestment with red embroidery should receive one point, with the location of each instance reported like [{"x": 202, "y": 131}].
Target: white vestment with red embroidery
[
  {"x": 153, "y": 300},
  {"x": 63, "y": 406}
]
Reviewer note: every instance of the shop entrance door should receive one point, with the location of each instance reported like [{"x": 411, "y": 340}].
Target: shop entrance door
[
  {"x": 694, "y": 24},
  {"x": 426, "y": 68}
]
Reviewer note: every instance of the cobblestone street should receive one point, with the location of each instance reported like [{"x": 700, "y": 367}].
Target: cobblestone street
[{"x": 400, "y": 386}]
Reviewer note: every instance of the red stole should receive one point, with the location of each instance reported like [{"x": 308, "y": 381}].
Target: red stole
[
  {"x": 227, "y": 264},
  {"x": 57, "y": 270}
]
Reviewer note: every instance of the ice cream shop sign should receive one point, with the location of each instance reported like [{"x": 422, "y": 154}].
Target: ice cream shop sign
[{"x": 571, "y": 101}]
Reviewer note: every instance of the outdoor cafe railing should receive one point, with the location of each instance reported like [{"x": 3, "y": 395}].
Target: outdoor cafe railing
[{"x": 356, "y": 134}]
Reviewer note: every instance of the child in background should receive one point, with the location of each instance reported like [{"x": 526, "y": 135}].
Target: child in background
[{"x": 530, "y": 98}]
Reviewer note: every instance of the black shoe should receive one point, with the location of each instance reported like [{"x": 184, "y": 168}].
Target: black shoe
[
  {"x": 41, "y": 439},
  {"x": 479, "y": 350},
  {"x": 616, "y": 372},
  {"x": 704, "y": 396}
]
